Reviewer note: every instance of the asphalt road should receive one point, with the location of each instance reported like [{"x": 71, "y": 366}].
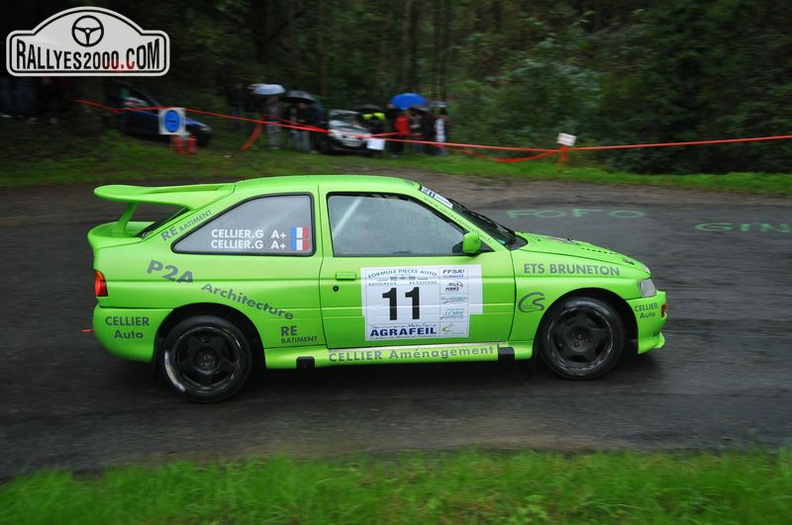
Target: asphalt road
[{"x": 722, "y": 381}]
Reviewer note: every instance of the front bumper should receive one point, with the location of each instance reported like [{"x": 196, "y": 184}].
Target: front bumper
[
  {"x": 650, "y": 318},
  {"x": 347, "y": 145}
]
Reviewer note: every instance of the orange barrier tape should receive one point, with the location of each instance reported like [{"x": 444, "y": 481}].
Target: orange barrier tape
[
  {"x": 503, "y": 159},
  {"x": 690, "y": 143},
  {"x": 253, "y": 137},
  {"x": 562, "y": 152}
]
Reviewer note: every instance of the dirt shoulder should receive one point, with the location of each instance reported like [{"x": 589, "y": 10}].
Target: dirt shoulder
[{"x": 78, "y": 201}]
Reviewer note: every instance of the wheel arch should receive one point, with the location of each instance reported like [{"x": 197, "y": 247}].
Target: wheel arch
[
  {"x": 226, "y": 312},
  {"x": 614, "y": 300}
]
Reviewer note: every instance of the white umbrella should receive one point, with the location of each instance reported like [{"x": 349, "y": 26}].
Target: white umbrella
[{"x": 267, "y": 89}]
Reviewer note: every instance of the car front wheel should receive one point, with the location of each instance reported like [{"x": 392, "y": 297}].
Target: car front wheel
[
  {"x": 205, "y": 358},
  {"x": 581, "y": 338}
]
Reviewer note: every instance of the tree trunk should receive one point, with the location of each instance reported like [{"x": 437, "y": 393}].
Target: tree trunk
[{"x": 294, "y": 50}]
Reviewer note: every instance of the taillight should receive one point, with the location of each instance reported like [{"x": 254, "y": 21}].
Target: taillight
[
  {"x": 100, "y": 285},
  {"x": 663, "y": 310}
]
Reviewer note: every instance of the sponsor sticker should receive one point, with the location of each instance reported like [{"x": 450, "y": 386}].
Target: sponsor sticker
[
  {"x": 420, "y": 302},
  {"x": 300, "y": 239}
]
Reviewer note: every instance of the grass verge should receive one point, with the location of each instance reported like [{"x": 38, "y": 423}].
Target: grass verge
[
  {"x": 463, "y": 487},
  {"x": 41, "y": 154}
]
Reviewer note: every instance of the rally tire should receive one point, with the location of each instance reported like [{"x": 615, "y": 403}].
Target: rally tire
[
  {"x": 205, "y": 358},
  {"x": 581, "y": 338}
]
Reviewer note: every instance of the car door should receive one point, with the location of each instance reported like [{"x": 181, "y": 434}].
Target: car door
[{"x": 394, "y": 275}]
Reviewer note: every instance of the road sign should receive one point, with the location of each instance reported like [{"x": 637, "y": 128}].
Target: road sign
[
  {"x": 172, "y": 121},
  {"x": 566, "y": 139}
]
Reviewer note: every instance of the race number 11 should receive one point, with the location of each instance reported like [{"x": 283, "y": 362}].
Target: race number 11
[{"x": 414, "y": 294}]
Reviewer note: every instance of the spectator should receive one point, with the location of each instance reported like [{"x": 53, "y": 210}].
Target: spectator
[
  {"x": 402, "y": 129},
  {"x": 375, "y": 123},
  {"x": 272, "y": 112},
  {"x": 251, "y": 107},
  {"x": 391, "y": 112},
  {"x": 302, "y": 116},
  {"x": 442, "y": 128},
  {"x": 427, "y": 131},
  {"x": 416, "y": 129}
]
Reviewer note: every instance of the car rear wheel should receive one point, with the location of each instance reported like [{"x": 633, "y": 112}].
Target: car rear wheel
[
  {"x": 206, "y": 358},
  {"x": 581, "y": 338}
]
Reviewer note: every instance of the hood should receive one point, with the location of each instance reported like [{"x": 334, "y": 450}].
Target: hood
[{"x": 549, "y": 244}]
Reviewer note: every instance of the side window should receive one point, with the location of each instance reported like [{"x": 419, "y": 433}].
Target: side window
[
  {"x": 278, "y": 225},
  {"x": 386, "y": 225}
]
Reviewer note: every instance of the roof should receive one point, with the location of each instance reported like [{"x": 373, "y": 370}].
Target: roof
[{"x": 327, "y": 182}]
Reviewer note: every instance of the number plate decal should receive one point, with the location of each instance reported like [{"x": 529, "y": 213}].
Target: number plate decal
[{"x": 420, "y": 302}]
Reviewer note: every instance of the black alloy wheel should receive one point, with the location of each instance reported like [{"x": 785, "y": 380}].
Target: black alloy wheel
[
  {"x": 581, "y": 338},
  {"x": 206, "y": 359}
]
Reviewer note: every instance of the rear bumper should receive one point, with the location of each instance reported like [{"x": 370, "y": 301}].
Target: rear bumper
[{"x": 129, "y": 333}]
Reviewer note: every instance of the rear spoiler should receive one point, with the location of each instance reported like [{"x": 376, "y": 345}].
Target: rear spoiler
[{"x": 189, "y": 196}]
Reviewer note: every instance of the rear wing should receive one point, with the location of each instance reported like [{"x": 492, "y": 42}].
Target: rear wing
[{"x": 189, "y": 197}]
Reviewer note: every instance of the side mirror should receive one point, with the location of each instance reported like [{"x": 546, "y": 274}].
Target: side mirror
[{"x": 471, "y": 243}]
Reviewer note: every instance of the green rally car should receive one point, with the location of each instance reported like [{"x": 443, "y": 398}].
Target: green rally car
[{"x": 316, "y": 271}]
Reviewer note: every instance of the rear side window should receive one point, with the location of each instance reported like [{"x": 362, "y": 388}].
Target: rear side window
[{"x": 277, "y": 225}]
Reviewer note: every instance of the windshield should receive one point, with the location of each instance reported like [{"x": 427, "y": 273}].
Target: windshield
[
  {"x": 504, "y": 235},
  {"x": 343, "y": 118}
]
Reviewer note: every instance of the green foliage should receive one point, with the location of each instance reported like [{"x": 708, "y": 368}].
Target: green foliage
[
  {"x": 92, "y": 154},
  {"x": 514, "y": 72},
  {"x": 465, "y": 487},
  {"x": 714, "y": 70}
]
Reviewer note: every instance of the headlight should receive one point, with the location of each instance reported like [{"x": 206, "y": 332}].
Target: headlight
[
  {"x": 335, "y": 133},
  {"x": 647, "y": 288}
]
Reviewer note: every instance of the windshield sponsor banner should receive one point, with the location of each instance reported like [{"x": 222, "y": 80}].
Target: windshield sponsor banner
[
  {"x": 87, "y": 41},
  {"x": 436, "y": 196}
]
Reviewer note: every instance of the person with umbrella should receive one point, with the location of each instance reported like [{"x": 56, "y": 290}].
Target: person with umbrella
[
  {"x": 272, "y": 113},
  {"x": 418, "y": 128},
  {"x": 265, "y": 101},
  {"x": 301, "y": 115}
]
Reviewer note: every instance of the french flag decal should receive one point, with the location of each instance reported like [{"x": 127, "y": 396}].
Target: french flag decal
[{"x": 300, "y": 239}]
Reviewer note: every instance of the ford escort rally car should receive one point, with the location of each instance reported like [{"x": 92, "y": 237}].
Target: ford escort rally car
[{"x": 316, "y": 271}]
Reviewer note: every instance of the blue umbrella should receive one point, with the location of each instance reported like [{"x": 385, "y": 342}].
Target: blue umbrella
[{"x": 407, "y": 100}]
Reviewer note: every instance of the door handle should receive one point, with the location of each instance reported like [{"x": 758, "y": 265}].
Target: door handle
[{"x": 346, "y": 276}]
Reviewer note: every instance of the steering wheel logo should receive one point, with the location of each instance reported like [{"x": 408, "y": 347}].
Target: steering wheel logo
[{"x": 87, "y": 31}]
